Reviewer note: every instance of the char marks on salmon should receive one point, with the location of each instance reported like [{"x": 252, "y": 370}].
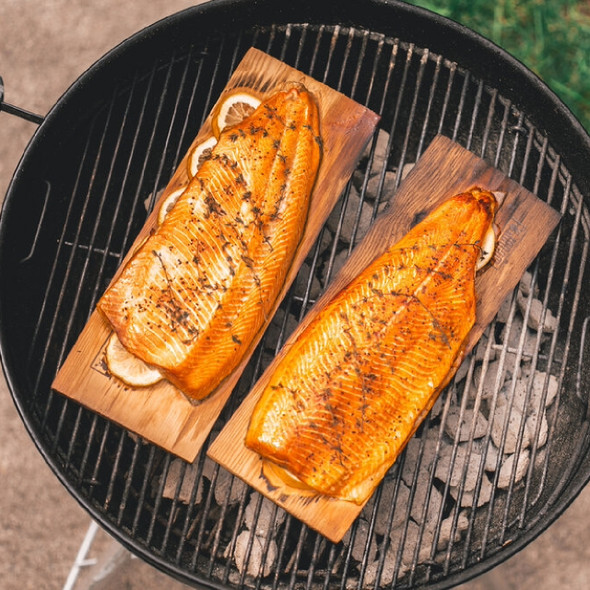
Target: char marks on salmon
[
  {"x": 356, "y": 383},
  {"x": 195, "y": 294}
]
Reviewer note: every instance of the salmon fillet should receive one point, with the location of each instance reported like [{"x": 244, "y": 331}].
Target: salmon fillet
[
  {"x": 193, "y": 296},
  {"x": 357, "y": 382}
]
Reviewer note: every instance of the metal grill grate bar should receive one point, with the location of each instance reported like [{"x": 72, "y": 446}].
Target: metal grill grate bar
[{"x": 45, "y": 308}]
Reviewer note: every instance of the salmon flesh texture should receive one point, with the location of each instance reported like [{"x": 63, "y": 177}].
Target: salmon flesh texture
[
  {"x": 193, "y": 297},
  {"x": 357, "y": 382}
]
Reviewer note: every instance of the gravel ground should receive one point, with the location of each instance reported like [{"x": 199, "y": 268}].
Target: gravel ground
[{"x": 44, "y": 47}]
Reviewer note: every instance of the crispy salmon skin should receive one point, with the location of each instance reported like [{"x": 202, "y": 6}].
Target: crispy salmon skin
[
  {"x": 195, "y": 294},
  {"x": 357, "y": 382}
]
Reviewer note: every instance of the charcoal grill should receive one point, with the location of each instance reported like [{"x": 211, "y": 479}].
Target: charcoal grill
[{"x": 83, "y": 190}]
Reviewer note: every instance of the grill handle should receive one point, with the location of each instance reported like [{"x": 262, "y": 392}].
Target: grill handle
[{"x": 17, "y": 111}]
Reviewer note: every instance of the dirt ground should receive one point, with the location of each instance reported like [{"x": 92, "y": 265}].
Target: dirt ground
[{"x": 44, "y": 47}]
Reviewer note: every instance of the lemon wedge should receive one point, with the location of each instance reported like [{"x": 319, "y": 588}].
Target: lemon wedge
[
  {"x": 127, "y": 367},
  {"x": 234, "y": 107},
  {"x": 199, "y": 153}
]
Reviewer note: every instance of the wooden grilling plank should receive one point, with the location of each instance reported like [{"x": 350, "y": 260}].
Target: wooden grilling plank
[
  {"x": 161, "y": 413},
  {"x": 444, "y": 170}
]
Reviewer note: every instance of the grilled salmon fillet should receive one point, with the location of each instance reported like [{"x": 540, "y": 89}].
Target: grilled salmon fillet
[
  {"x": 358, "y": 381},
  {"x": 194, "y": 295}
]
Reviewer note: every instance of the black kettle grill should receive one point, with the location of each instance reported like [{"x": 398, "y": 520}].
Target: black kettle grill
[{"x": 85, "y": 185}]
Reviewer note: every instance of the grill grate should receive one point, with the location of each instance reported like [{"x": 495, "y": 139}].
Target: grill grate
[{"x": 424, "y": 526}]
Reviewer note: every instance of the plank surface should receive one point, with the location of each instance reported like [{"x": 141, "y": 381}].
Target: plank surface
[
  {"x": 444, "y": 170},
  {"x": 161, "y": 413}
]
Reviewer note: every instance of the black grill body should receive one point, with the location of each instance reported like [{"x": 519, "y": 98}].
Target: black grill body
[{"x": 86, "y": 184}]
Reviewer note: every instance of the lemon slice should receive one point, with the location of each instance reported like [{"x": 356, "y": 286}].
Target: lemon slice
[
  {"x": 127, "y": 367},
  {"x": 488, "y": 246},
  {"x": 199, "y": 154},
  {"x": 234, "y": 107},
  {"x": 279, "y": 476},
  {"x": 169, "y": 203}
]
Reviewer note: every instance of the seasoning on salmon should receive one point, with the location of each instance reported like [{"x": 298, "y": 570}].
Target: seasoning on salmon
[
  {"x": 195, "y": 294},
  {"x": 355, "y": 385}
]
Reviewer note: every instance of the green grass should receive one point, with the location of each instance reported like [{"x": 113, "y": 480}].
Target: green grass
[{"x": 551, "y": 37}]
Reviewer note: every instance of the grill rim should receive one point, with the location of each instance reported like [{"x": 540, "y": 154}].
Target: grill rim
[{"x": 219, "y": 9}]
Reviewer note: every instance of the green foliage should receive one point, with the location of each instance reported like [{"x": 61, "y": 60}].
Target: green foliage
[{"x": 551, "y": 37}]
